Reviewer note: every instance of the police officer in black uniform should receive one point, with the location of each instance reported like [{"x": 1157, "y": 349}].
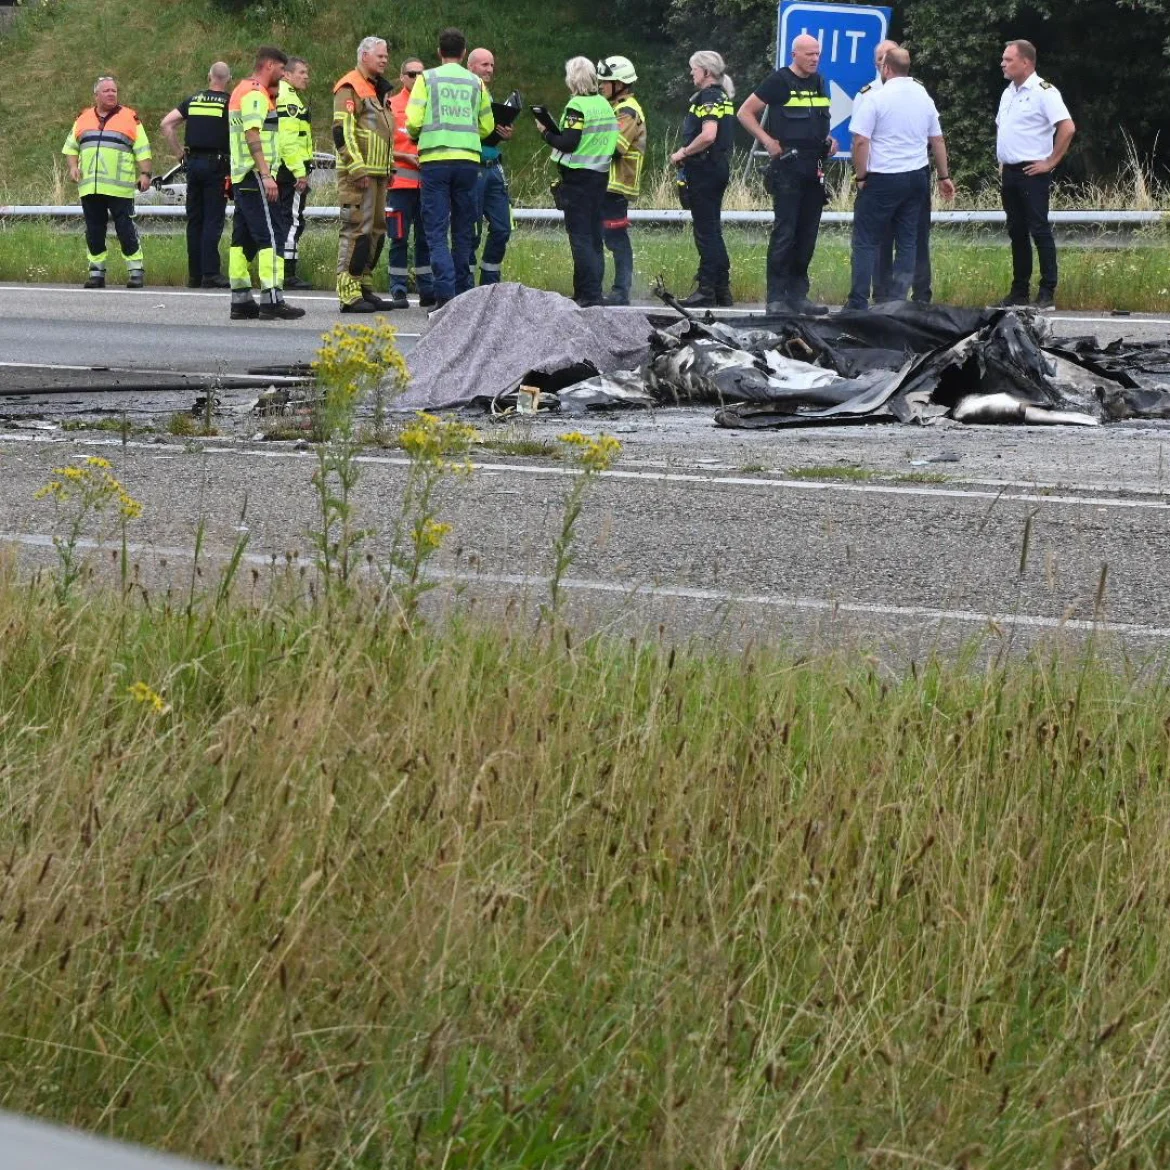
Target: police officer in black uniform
[
  {"x": 797, "y": 141},
  {"x": 208, "y": 161},
  {"x": 705, "y": 162}
]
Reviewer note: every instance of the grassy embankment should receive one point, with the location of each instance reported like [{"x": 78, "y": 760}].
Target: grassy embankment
[
  {"x": 330, "y": 893},
  {"x": 968, "y": 268},
  {"x": 160, "y": 53}
]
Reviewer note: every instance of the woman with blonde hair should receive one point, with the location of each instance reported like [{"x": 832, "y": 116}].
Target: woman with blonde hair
[
  {"x": 583, "y": 149},
  {"x": 705, "y": 162}
]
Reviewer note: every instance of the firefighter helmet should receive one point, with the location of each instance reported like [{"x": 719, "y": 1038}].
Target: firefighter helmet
[{"x": 617, "y": 69}]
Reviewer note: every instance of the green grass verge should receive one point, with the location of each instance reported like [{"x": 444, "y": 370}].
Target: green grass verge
[
  {"x": 967, "y": 269},
  {"x": 348, "y": 896}
]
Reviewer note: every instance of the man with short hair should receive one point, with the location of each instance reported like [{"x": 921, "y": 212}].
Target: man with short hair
[
  {"x": 206, "y": 157},
  {"x": 109, "y": 157},
  {"x": 797, "y": 141},
  {"x": 448, "y": 115},
  {"x": 1033, "y": 133},
  {"x": 254, "y": 126},
  {"x": 404, "y": 205},
  {"x": 363, "y": 132},
  {"x": 295, "y": 134},
  {"x": 892, "y": 134},
  {"x": 492, "y": 201},
  {"x": 921, "y": 289}
]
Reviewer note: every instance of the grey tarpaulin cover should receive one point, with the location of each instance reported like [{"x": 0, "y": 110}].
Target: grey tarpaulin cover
[{"x": 491, "y": 337}]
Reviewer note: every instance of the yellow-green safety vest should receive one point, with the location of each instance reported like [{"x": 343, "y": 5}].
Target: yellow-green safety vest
[
  {"x": 109, "y": 148},
  {"x": 594, "y": 117},
  {"x": 294, "y": 132},
  {"x": 449, "y": 114},
  {"x": 252, "y": 108}
]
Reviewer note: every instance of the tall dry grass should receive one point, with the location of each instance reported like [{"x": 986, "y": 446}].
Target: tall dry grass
[{"x": 296, "y": 888}]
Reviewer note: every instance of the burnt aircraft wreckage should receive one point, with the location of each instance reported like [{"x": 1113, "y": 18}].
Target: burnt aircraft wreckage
[{"x": 898, "y": 362}]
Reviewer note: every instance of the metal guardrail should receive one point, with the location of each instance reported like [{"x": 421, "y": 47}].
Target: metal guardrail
[{"x": 639, "y": 215}]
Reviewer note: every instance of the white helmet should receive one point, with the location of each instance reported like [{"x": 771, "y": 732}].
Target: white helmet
[{"x": 617, "y": 69}]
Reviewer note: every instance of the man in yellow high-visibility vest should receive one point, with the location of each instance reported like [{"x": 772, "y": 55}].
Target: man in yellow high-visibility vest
[
  {"x": 109, "y": 158},
  {"x": 253, "y": 125},
  {"x": 448, "y": 115}
]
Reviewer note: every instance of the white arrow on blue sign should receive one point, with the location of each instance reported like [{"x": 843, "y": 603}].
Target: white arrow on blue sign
[{"x": 849, "y": 34}]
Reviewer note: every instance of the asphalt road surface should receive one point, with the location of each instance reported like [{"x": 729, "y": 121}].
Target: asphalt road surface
[{"x": 896, "y": 538}]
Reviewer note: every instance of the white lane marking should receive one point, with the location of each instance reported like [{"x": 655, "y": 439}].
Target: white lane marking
[
  {"x": 1129, "y": 319},
  {"x": 800, "y": 485},
  {"x": 633, "y": 591}
]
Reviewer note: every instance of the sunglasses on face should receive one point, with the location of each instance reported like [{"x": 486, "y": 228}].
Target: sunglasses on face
[{"x": 411, "y": 72}]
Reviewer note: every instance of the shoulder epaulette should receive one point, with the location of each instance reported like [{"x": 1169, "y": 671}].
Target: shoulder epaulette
[
  {"x": 1046, "y": 85},
  {"x": 916, "y": 81},
  {"x": 866, "y": 88}
]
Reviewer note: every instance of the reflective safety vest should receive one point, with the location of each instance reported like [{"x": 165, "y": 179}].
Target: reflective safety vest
[
  {"x": 295, "y": 132},
  {"x": 625, "y": 172},
  {"x": 804, "y": 119},
  {"x": 449, "y": 114},
  {"x": 363, "y": 126},
  {"x": 251, "y": 108},
  {"x": 406, "y": 174},
  {"x": 110, "y": 147},
  {"x": 594, "y": 117}
]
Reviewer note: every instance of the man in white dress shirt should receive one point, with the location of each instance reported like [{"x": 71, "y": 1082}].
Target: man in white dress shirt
[
  {"x": 894, "y": 133},
  {"x": 1033, "y": 133}
]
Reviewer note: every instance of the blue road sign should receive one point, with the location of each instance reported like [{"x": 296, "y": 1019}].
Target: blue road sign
[{"x": 848, "y": 33}]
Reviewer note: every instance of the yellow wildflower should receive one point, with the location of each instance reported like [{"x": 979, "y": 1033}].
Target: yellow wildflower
[
  {"x": 594, "y": 454},
  {"x": 140, "y": 692}
]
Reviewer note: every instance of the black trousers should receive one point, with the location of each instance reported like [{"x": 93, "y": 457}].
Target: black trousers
[
  {"x": 206, "y": 211},
  {"x": 582, "y": 195},
  {"x": 798, "y": 198},
  {"x": 1025, "y": 199},
  {"x": 98, "y": 211},
  {"x": 882, "y": 278},
  {"x": 706, "y": 183}
]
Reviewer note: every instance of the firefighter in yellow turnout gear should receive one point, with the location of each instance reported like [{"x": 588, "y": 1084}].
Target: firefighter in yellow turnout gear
[
  {"x": 616, "y": 78},
  {"x": 255, "y": 153},
  {"x": 109, "y": 156},
  {"x": 363, "y": 132}
]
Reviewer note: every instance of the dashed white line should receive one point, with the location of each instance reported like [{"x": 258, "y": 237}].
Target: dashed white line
[
  {"x": 797, "y": 485},
  {"x": 637, "y": 592}
]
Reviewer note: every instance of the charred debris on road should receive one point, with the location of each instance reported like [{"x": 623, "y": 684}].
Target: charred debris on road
[{"x": 898, "y": 362}]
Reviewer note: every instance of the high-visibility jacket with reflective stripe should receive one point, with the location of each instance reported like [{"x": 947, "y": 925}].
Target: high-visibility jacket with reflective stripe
[
  {"x": 594, "y": 117},
  {"x": 109, "y": 148},
  {"x": 625, "y": 173},
  {"x": 406, "y": 174},
  {"x": 449, "y": 114},
  {"x": 251, "y": 108},
  {"x": 294, "y": 132},
  {"x": 363, "y": 126}
]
